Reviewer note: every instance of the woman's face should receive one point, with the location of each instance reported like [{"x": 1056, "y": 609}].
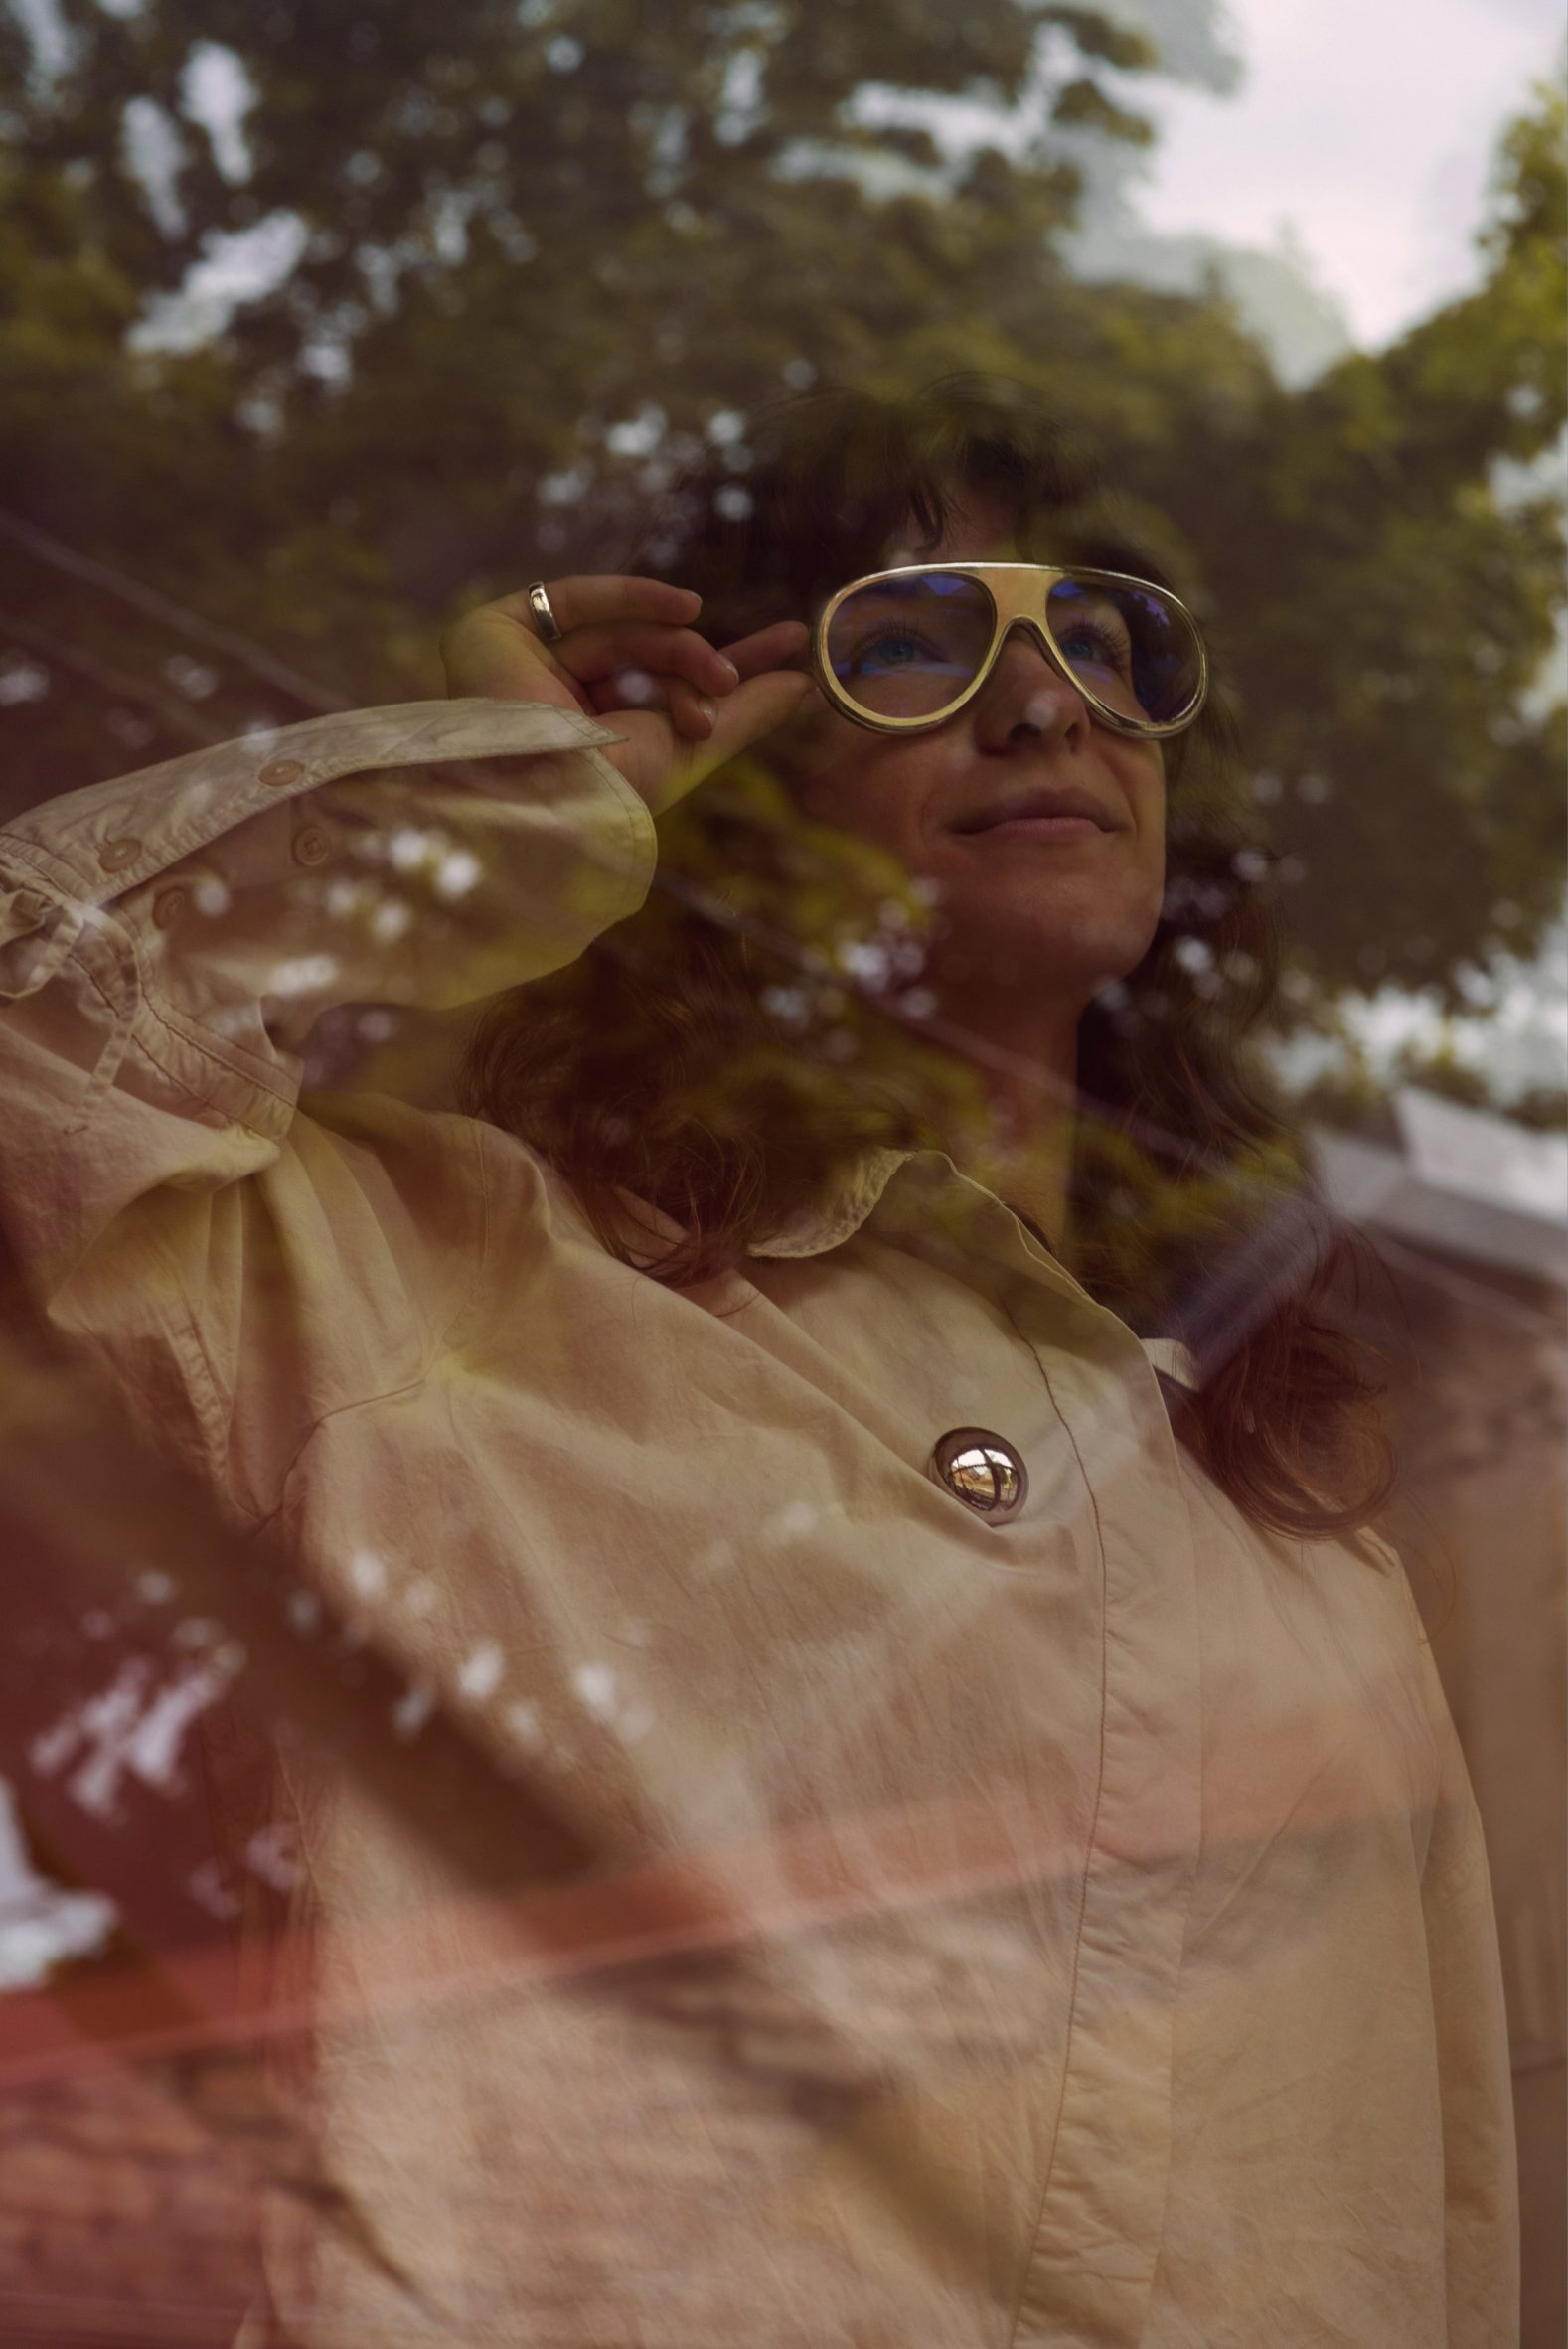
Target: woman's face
[{"x": 1034, "y": 910}]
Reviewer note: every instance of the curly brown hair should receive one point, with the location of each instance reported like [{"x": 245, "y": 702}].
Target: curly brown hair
[{"x": 722, "y": 1055}]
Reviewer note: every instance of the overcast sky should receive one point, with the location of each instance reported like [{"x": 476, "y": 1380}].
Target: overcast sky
[{"x": 1368, "y": 126}]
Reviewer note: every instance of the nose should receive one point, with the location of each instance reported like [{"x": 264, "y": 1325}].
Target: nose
[{"x": 1027, "y": 700}]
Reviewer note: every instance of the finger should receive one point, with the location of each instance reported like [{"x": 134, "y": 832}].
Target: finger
[
  {"x": 753, "y": 711},
  {"x": 597, "y": 652},
  {"x": 781, "y": 646},
  {"x": 591, "y": 598},
  {"x": 624, "y": 691},
  {"x": 692, "y": 713},
  {"x": 487, "y": 654},
  {"x": 689, "y": 712}
]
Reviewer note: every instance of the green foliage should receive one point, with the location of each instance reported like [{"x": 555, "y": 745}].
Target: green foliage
[
  {"x": 548, "y": 253},
  {"x": 1543, "y": 1108},
  {"x": 1386, "y": 570},
  {"x": 1442, "y": 1071},
  {"x": 1351, "y": 1096}
]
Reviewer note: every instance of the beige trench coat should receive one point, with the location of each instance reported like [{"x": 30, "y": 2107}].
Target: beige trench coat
[{"x": 1116, "y": 1961}]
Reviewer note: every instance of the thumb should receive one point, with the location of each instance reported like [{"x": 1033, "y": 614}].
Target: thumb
[{"x": 754, "y": 710}]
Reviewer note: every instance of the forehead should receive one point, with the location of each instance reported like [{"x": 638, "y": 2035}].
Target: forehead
[
  {"x": 978, "y": 528},
  {"x": 986, "y": 526}
]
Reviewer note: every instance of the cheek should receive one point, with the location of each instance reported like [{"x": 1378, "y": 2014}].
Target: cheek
[
  {"x": 1148, "y": 887},
  {"x": 858, "y": 782},
  {"x": 1144, "y": 778},
  {"x": 1145, "y": 794},
  {"x": 1157, "y": 851}
]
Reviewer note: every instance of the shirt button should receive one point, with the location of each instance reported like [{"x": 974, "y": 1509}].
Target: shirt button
[
  {"x": 115, "y": 855},
  {"x": 167, "y": 909},
  {"x": 983, "y": 1469},
  {"x": 312, "y": 847},
  {"x": 279, "y": 771}
]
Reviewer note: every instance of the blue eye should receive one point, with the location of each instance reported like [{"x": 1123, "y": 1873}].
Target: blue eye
[
  {"x": 1090, "y": 647},
  {"x": 890, "y": 651}
]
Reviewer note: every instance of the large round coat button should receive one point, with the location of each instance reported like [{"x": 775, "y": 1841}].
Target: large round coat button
[{"x": 983, "y": 1469}]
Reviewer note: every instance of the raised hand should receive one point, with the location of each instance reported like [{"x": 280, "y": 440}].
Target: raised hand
[{"x": 628, "y": 654}]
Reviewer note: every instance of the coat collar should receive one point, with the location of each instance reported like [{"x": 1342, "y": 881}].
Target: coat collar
[{"x": 920, "y": 1200}]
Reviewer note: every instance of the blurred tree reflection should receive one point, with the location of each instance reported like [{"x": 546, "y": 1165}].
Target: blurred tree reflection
[{"x": 527, "y": 260}]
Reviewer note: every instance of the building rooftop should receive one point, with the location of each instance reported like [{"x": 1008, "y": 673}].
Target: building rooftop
[{"x": 1460, "y": 1180}]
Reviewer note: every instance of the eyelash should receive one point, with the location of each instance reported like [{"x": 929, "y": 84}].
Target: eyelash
[
  {"x": 881, "y": 635},
  {"x": 1117, "y": 646}
]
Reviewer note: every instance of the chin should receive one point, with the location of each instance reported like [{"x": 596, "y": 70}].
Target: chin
[{"x": 1066, "y": 959}]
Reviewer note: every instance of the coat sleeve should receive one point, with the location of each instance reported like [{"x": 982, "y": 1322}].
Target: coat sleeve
[{"x": 168, "y": 941}]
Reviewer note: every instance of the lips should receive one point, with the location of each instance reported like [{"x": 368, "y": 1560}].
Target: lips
[{"x": 1040, "y": 800}]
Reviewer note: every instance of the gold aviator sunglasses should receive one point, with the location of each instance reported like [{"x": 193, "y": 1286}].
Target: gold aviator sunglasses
[{"x": 904, "y": 649}]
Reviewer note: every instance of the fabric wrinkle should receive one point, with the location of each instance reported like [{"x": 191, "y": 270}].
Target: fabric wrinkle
[{"x": 1098, "y": 1945}]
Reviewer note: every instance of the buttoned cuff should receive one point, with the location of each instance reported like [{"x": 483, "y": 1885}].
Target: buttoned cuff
[{"x": 209, "y": 909}]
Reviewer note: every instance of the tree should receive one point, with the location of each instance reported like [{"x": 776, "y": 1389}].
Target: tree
[
  {"x": 539, "y": 250},
  {"x": 1389, "y": 571},
  {"x": 542, "y": 255}
]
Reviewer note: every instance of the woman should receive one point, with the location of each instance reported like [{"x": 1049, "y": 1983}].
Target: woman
[{"x": 1081, "y": 1927}]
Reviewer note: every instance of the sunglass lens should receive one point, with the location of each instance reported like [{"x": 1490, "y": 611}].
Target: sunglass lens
[
  {"x": 907, "y": 648},
  {"x": 1129, "y": 647}
]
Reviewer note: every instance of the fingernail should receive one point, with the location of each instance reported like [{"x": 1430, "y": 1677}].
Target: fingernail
[
  {"x": 710, "y": 710},
  {"x": 729, "y": 667}
]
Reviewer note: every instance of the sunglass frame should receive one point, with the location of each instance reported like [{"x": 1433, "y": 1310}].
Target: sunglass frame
[{"x": 1006, "y": 584}]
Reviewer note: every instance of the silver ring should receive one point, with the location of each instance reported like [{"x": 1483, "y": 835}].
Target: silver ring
[{"x": 549, "y": 627}]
